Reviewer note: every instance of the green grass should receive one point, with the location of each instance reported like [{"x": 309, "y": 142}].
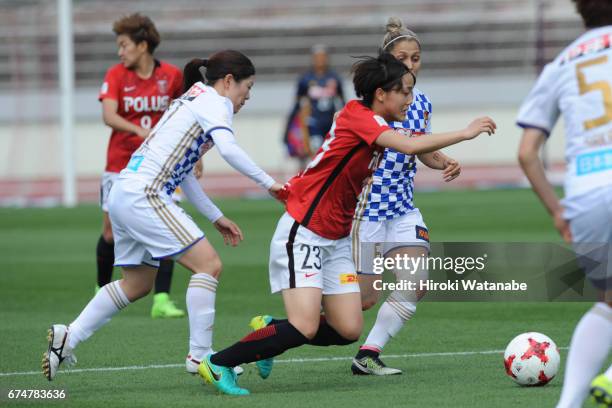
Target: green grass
[{"x": 48, "y": 275}]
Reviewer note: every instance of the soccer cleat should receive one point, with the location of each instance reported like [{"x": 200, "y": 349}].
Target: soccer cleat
[
  {"x": 601, "y": 391},
  {"x": 223, "y": 378},
  {"x": 372, "y": 366},
  {"x": 58, "y": 351},
  {"x": 264, "y": 367},
  {"x": 191, "y": 365},
  {"x": 163, "y": 307}
]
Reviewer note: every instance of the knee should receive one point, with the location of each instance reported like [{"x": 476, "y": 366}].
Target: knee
[
  {"x": 306, "y": 327},
  {"x": 211, "y": 266},
  {"x": 215, "y": 267},
  {"x": 351, "y": 330},
  {"x": 351, "y": 333}
]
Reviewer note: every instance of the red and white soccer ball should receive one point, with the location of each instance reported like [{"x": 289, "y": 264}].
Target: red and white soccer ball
[{"x": 532, "y": 359}]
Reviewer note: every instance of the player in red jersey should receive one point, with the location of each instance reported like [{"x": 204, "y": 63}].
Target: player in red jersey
[
  {"x": 134, "y": 95},
  {"x": 310, "y": 254}
]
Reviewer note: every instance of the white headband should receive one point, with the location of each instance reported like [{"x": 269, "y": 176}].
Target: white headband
[{"x": 414, "y": 37}]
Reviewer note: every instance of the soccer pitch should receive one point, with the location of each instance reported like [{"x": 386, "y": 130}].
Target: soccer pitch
[{"x": 451, "y": 353}]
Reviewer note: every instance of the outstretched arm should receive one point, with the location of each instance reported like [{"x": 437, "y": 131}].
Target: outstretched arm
[
  {"x": 233, "y": 154},
  {"x": 419, "y": 145}
]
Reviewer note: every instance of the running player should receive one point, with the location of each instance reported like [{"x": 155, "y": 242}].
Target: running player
[
  {"x": 148, "y": 226},
  {"x": 310, "y": 253},
  {"x": 386, "y": 221},
  {"x": 578, "y": 85},
  {"x": 134, "y": 95}
]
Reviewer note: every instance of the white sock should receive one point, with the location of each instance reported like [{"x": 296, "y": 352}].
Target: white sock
[
  {"x": 392, "y": 315},
  {"x": 109, "y": 300},
  {"x": 609, "y": 373},
  {"x": 589, "y": 349},
  {"x": 201, "y": 295}
]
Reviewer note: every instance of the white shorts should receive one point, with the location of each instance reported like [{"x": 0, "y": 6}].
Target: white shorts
[
  {"x": 147, "y": 228},
  {"x": 408, "y": 230},
  {"x": 108, "y": 179},
  {"x": 299, "y": 258}
]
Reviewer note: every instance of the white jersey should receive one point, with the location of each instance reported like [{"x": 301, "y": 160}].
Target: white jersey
[
  {"x": 179, "y": 139},
  {"x": 578, "y": 85}
]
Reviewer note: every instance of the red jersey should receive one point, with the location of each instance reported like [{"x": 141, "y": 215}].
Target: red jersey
[
  {"x": 141, "y": 101},
  {"x": 323, "y": 197}
]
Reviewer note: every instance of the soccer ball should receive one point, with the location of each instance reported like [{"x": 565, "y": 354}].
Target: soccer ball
[{"x": 532, "y": 359}]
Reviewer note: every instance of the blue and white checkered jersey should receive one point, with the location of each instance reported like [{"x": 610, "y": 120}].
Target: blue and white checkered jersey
[
  {"x": 180, "y": 138},
  {"x": 388, "y": 193}
]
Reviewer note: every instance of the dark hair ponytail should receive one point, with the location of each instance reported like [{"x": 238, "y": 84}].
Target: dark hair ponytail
[
  {"x": 192, "y": 73},
  {"x": 217, "y": 67},
  {"x": 384, "y": 72}
]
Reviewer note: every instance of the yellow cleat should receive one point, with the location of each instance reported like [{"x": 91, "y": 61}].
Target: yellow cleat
[
  {"x": 601, "y": 391},
  {"x": 163, "y": 307}
]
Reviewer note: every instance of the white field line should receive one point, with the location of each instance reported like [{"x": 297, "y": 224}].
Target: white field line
[{"x": 288, "y": 360}]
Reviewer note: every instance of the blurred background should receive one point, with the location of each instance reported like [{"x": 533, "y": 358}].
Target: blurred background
[{"x": 479, "y": 57}]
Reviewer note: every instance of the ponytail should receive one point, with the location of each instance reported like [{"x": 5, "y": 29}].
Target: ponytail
[
  {"x": 194, "y": 72},
  {"x": 217, "y": 67}
]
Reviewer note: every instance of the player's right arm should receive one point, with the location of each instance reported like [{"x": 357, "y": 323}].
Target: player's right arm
[
  {"x": 110, "y": 95},
  {"x": 419, "y": 145},
  {"x": 529, "y": 159},
  {"x": 537, "y": 116},
  {"x": 111, "y": 118}
]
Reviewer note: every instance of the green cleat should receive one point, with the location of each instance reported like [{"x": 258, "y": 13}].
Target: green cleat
[
  {"x": 263, "y": 366},
  {"x": 223, "y": 378},
  {"x": 163, "y": 307},
  {"x": 601, "y": 391}
]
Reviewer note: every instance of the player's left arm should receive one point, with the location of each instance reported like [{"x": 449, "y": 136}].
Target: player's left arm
[
  {"x": 440, "y": 161},
  {"x": 233, "y": 154},
  {"x": 529, "y": 159}
]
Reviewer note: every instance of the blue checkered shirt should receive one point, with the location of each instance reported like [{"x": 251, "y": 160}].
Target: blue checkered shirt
[{"x": 389, "y": 192}]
